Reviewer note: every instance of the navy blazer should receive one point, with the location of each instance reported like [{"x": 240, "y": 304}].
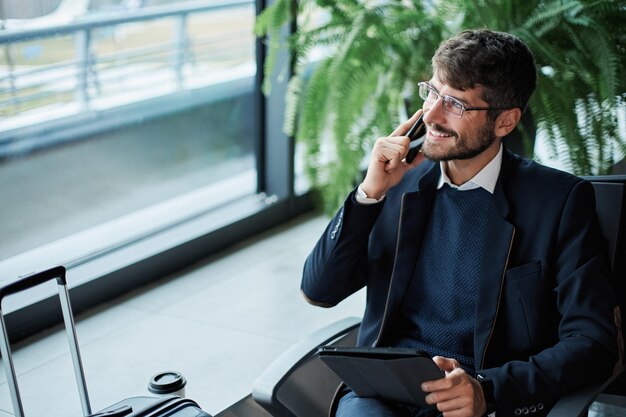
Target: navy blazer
[{"x": 544, "y": 316}]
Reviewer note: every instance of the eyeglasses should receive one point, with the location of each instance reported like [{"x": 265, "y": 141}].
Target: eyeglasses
[{"x": 451, "y": 105}]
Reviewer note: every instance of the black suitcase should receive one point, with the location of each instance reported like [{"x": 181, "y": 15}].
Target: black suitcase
[{"x": 171, "y": 405}]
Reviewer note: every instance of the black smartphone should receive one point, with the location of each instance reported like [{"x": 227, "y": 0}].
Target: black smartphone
[{"x": 416, "y": 134}]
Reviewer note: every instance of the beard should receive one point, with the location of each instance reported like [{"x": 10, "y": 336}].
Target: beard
[{"x": 464, "y": 148}]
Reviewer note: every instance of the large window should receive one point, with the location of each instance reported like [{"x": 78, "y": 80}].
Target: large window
[{"x": 122, "y": 121}]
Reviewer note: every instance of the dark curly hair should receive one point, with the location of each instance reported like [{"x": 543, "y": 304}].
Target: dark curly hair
[{"x": 498, "y": 61}]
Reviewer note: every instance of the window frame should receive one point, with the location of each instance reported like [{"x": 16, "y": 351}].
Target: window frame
[{"x": 113, "y": 272}]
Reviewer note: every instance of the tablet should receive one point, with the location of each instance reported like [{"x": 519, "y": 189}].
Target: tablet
[{"x": 392, "y": 374}]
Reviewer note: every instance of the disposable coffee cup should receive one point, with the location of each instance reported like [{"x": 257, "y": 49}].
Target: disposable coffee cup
[{"x": 170, "y": 382}]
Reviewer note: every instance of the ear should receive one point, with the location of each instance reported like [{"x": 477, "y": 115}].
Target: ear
[{"x": 506, "y": 121}]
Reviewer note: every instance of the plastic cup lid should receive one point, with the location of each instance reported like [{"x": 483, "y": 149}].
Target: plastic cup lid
[{"x": 166, "y": 382}]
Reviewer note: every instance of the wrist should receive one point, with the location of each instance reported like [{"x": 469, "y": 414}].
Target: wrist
[{"x": 366, "y": 192}]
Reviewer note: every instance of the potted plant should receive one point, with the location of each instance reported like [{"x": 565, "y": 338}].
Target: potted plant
[{"x": 377, "y": 51}]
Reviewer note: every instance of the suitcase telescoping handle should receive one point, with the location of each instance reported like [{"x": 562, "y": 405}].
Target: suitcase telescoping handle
[{"x": 25, "y": 283}]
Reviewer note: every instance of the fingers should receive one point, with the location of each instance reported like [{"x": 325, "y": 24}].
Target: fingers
[
  {"x": 451, "y": 380},
  {"x": 387, "y": 163},
  {"x": 464, "y": 400},
  {"x": 457, "y": 394},
  {"x": 394, "y": 148},
  {"x": 446, "y": 364},
  {"x": 458, "y": 406},
  {"x": 391, "y": 150},
  {"x": 404, "y": 127}
]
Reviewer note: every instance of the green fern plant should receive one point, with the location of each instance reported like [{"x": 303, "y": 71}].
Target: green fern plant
[
  {"x": 579, "y": 50},
  {"x": 379, "y": 50}
]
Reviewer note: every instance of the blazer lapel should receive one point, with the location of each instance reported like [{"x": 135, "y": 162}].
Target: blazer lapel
[{"x": 500, "y": 235}]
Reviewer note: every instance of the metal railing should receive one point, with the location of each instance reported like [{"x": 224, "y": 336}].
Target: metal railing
[{"x": 111, "y": 59}]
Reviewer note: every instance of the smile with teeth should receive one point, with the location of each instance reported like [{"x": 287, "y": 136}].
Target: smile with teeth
[{"x": 438, "y": 134}]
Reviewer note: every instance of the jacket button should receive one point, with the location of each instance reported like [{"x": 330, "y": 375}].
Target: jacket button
[
  {"x": 540, "y": 406},
  {"x": 333, "y": 234},
  {"x": 525, "y": 410},
  {"x": 518, "y": 411},
  {"x": 533, "y": 409}
]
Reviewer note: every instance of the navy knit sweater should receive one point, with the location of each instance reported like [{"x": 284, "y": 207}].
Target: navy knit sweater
[{"x": 439, "y": 308}]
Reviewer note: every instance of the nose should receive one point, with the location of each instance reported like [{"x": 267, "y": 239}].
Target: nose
[{"x": 433, "y": 112}]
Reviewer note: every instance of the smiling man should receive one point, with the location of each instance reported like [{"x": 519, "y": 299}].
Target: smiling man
[{"x": 489, "y": 262}]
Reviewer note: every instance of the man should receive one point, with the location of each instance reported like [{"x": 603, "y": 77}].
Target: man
[{"x": 491, "y": 263}]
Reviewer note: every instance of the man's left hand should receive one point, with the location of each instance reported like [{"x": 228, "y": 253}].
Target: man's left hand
[{"x": 457, "y": 394}]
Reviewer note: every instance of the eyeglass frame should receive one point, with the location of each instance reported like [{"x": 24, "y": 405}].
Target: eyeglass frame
[{"x": 449, "y": 99}]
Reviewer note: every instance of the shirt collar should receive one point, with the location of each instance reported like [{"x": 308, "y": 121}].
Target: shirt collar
[{"x": 485, "y": 178}]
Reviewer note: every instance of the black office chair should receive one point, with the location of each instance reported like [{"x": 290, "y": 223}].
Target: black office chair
[{"x": 298, "y": 384}]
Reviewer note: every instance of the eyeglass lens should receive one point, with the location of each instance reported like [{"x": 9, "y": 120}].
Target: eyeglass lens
[{"x": 450, "y": 105}]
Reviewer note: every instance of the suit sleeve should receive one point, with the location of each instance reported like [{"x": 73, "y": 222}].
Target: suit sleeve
[
  {"x": 586, "y": 351},
  {"x": 337, "y": 266}
]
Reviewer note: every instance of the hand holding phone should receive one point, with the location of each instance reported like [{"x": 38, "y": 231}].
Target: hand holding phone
[
  {"x": 385, "y": 168},
  {"x": 416, "y": 135}
]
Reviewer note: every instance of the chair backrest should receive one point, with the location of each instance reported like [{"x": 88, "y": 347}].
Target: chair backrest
[{"x": 611, "y": 208}]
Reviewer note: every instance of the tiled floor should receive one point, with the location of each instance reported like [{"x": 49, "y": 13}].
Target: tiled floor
[{"x": 220, "y": 323}]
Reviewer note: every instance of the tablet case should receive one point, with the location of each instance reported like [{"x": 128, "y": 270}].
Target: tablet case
[{"x": 392, "y": 374}]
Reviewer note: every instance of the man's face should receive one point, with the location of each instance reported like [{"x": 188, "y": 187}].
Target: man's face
[{"x": 449, "y": 137}]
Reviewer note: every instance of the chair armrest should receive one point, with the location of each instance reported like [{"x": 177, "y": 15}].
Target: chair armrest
[
  {"x": 267, "y": 386},
  {"x": 577, "y": 403}
]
